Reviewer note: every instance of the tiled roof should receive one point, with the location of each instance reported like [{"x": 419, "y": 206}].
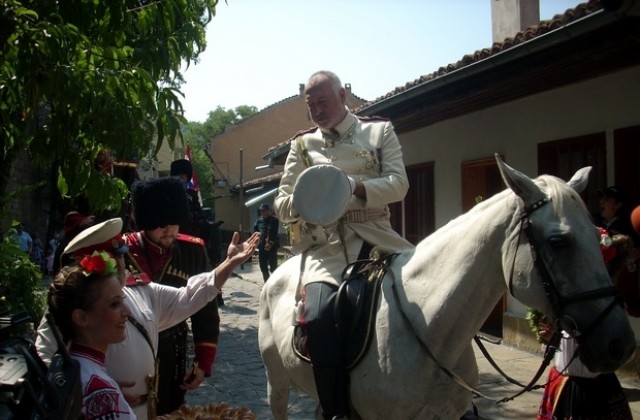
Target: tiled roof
[
  {"x": 531, "y": 32},
  {"x": 262, "y": 180},
  {"x": 545, "y": 26}
]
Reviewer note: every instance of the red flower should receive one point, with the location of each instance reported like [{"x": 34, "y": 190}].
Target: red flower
[
  {"x": 93, "y": 264},
  {"x": 609, "y": 252}
]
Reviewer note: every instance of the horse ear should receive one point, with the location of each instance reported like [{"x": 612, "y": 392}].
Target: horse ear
[
  {"x": 579, "y": 180},
  {"x": 520, "y": 184}
]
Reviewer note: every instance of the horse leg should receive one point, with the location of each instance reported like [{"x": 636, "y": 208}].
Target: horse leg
[
  {"x": 278, "y": 380},
  {"x": 278, "y": 384}
]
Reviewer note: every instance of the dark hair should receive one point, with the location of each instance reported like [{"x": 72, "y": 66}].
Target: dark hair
[{"x": 71, "y": 289}]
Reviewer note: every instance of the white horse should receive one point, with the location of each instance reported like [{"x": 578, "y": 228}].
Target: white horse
[{"x": 447, "y": 287}]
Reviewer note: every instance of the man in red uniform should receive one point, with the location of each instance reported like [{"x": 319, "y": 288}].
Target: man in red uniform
[{"x": 159, "y": 207}]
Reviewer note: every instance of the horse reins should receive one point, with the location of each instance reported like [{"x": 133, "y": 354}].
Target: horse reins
[{"x": 557, "y": 301}]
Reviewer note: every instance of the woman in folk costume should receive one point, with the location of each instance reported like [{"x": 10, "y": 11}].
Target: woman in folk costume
[
  {"x": 152, "y": 307},
  {"x": 87, "y": 304}
]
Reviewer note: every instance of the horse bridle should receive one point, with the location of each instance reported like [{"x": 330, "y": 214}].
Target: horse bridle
[{"x": 557, "y": 301}]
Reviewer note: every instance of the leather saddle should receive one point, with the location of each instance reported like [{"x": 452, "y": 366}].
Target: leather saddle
[{"x": 355, "y": 308}]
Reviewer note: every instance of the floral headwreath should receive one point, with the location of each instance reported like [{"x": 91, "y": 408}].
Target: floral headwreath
[
  {"x": 609, "y": 251},
  {"x": 100, "y": 263}
]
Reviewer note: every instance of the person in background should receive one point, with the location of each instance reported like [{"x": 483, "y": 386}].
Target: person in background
[
  {"x": 368, "y": 151},
  {"x": 87, "y": 304},
  {"x": 23, "y": 239},
  {"x": 614, "y": 217},
  {"x": 153, "y": 307},
  {"x": 37, "y": 252},
  {"x": 268, "y": 226},
  {"x": 74, "y": 223},
  {"x": 158, "y": 249},
  {"x": 50, "y": 254},
  {"x": 195, "y": 223}
]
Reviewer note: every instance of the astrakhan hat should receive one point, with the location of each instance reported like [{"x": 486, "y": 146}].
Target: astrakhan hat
[
  {"x": 159, "y": 202},
  {"x": 182, "y": 167}
]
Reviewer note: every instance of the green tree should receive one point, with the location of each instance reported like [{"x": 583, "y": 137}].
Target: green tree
[
  {"x": 79, "y": 76},
  {"x": 200, "y": 134}
]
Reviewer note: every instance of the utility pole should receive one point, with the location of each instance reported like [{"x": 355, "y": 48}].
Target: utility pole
[{"x": 241, "y": 197}]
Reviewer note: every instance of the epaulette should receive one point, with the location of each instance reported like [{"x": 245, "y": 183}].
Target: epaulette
[
  {"x": 303, "y": 132},
  {"x": 372, "y": 118},
  {"x": 137, "y": 279},
  {"x": 190, "y": 239}
]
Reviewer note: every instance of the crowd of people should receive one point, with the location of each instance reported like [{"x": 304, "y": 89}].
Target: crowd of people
[{"x": 122, "y": 297}]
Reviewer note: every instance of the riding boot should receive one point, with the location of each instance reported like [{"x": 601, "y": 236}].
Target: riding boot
[{"x": 332, "y": 386}]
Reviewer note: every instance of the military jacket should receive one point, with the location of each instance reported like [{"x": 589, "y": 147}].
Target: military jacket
[{"x": 368, "y": 150}]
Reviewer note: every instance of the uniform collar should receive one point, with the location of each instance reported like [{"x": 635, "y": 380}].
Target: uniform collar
[
  {"x": 152, "y": 247},
  {"x": 340, "y": 131}
]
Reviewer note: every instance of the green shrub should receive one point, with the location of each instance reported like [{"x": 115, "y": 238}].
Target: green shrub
[{"x": 20, "y": 282}]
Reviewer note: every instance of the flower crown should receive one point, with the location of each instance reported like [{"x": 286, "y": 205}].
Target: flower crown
[
  {"x": 100, "y": 263},
  {"x": 607, "y": 249}
]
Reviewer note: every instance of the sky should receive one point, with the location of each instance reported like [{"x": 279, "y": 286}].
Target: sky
[{"x": 259, "y": 51}]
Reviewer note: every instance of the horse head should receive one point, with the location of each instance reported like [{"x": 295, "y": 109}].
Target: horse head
[{"x": 553, "y": 263}]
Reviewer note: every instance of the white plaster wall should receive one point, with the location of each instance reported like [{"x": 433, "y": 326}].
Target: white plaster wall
[{"x": 514, "y": 129}]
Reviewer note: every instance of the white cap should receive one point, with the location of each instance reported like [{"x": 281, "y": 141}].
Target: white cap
[
  {"x": 322, "y": 194},
  {"x": 95, "y": 235}
]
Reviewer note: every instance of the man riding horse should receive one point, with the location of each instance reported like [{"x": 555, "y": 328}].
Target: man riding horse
[{"x": 368, "y": 151}]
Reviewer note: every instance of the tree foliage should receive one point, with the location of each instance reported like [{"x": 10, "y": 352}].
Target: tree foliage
[
  {"x": 20, "y": 281},
  {"x": 78, "y": 76},
  {"x": 200, "y": 134}
]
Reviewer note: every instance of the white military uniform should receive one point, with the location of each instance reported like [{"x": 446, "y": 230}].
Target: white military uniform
[
  {"x": 367, "y": 150},
  {"x": 154, "y": 306}
]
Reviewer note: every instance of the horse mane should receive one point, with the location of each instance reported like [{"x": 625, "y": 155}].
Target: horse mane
[{"x": 559, "y": 191}]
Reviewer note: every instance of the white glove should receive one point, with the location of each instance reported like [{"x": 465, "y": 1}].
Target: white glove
[{"x": 352, "y": 182}]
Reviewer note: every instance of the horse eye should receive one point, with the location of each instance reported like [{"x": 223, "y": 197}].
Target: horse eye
[{"x": 557, "y": 241}]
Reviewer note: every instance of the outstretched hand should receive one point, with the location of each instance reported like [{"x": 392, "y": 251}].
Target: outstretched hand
[
  {"x": 239, "y": 253},
  {"x": 236, "y": 255}
]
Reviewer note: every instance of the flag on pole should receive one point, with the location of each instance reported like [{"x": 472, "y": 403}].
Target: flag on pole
[{"x": 193, "y": 182}]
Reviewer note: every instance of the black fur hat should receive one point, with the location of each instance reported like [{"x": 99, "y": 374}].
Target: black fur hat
[
  {"x": 182, "y": 167},
  {"x": 159, "y": 202}
]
